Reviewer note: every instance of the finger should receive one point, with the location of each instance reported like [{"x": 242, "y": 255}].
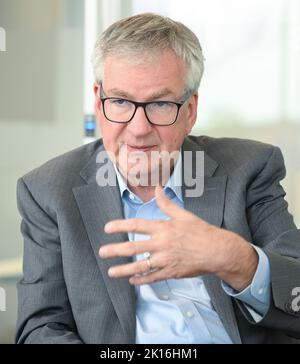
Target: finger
[
  {"x": 169, "y": 207},
  {"x": 129, "y": 270},
  {"x": 152, "y": 277},
  {"x": 127, "y": 249},
  {"x": 142, "y": 226}
]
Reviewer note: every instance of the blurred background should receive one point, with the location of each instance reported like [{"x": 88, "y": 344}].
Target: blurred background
[{"x": 250, "y": 89}]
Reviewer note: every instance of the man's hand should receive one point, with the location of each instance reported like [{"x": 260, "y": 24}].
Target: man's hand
[{"x": 184, "y": 246}]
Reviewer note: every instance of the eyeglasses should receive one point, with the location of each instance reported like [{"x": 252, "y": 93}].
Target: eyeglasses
[{"x": 122, "y": 111}]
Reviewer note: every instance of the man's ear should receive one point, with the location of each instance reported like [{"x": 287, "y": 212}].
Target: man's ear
[
  {"x": 96, "y": 88},
  {"x": 97, "y": 104},
  {"x": 192, "y": 112}
]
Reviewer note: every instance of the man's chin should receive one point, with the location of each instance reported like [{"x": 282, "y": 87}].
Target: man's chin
[{"x": 144, "y": 177}]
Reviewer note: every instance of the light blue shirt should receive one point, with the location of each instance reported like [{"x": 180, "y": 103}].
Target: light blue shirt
[{"x": 180, "y": 310}]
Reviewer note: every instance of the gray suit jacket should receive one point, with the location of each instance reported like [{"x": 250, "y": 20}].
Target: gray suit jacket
[{"x": 66, "y": 295}]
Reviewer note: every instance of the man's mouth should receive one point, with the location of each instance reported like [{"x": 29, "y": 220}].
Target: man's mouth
[{"x": 138, "y": 148}]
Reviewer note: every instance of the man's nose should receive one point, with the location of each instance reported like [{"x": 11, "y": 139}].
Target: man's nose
[{"x": 140, "y": 125}]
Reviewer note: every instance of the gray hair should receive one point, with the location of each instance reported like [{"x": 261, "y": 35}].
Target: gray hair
[{"x": 150, "y": 34}]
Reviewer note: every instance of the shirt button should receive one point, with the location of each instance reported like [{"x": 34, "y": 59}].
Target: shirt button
[
  {"x": 164, "y": 297},
  {"x": 260, "y": 291},
  {"x": 189, "y": 314},
  {"x": 131, "y": 196}
]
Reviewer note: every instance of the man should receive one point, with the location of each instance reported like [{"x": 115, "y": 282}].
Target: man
[{"x": 132, "y": 262}]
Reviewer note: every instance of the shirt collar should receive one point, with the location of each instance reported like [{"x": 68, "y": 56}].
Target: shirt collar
[{"x": 172, "y": 187}]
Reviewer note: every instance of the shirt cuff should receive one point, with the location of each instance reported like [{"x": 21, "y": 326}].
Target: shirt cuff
[{"x": 257, "y": 294}]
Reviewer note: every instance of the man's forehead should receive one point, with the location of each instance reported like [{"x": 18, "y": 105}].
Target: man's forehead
[
  {"x": 139, "y": 57},
  {"x": 144, "y": 78},
  {"x": 167, "y": 64}
]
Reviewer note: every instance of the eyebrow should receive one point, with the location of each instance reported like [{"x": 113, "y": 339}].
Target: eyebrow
[{"x": 156, "y": 95}]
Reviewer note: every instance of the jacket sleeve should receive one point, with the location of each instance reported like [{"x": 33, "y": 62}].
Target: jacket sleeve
[
  {"x": 273, "y": 230},
  {"x": 44, "y": 312}
]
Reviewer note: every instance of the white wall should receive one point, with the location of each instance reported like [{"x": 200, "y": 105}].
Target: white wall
[
  {"x": 40, "y": 97},
  {"x": 41, "y": 106}
]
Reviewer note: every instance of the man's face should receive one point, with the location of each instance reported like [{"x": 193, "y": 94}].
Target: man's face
[{"x": 159, "y": 79}]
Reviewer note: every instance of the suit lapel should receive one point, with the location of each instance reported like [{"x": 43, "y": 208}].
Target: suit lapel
[
  {"x": 97, "y": 206},
  {"x": 210, "y": 207}
]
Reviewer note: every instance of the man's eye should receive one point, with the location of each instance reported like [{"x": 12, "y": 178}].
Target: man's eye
[
  {"x": 119, "y": 102},
  {"x": 161, "y": 104}
]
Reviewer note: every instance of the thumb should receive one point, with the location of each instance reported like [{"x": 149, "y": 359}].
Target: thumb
[{"x": 167, "y": 206}]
